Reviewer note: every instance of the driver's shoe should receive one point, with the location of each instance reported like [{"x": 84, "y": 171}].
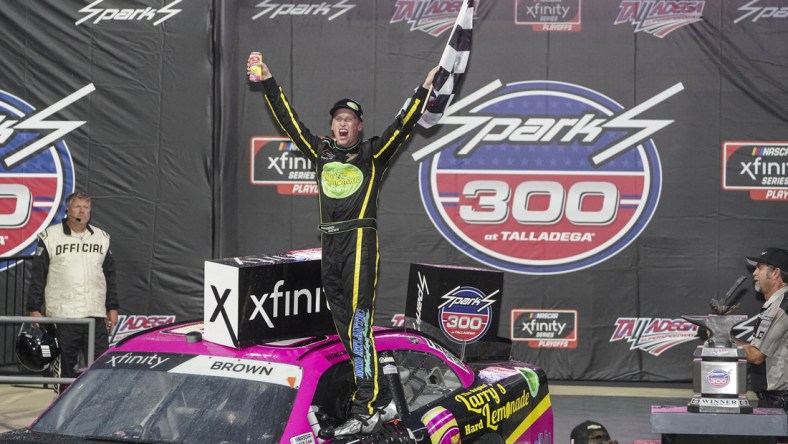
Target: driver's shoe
[
  {"x": 359, "y": 424},
  {"x": 389, "y": 413}
]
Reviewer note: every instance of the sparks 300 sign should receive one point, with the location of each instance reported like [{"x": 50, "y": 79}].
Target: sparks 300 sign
[
  {"x": 36, "y": 171},
  {"x": 543, "y": 177}
]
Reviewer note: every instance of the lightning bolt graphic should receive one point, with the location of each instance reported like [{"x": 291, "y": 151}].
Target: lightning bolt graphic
[
  {"x": 626, "y": 120},
  {"x": 343, "y": 7},
  {"x": 90, "y": 11},
  {"x": 750, "y": 10},
  {"x": 170, "y": 12},
  {"x": 6, "y": 129},
  {"x": 422, "y": 286},
  {"x": 488, "y": 300},
  {"x": 37, "y": 122},
  {"x": 449, "y": 297},
  {"x": 469, "y": 123},
  {"x": 267, "y": 7}
]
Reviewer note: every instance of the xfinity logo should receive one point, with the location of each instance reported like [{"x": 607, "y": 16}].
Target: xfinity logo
[
  {"x": 323, "y": 8},
  {"x": 286, "y": 161},
  {"x": 152, "y": 361},
  {"x": 280, "y": 303},
  {"x": 540, "y": 9},
  {"x": 116, "y": 14},
  {"x": 538, "y": 328},
  {"x": 759, "y": 12},
  {"x": 759, "y": 167}
]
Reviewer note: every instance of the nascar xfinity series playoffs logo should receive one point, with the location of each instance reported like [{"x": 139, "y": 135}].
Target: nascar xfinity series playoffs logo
[
  {"x": 36, "y": 169},
  {"x": 543, "y": 177},
  {"x": 758, "y": 167}
]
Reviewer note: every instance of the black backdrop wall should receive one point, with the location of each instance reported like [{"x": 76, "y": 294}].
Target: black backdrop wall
[{"x": 602, "y": 255}]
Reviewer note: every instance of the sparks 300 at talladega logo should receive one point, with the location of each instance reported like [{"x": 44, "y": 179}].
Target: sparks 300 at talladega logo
[
  {"x": 543, "y": 177},
  {"x": 36, "y": 171},
  {"x": 466, "y": 314}
]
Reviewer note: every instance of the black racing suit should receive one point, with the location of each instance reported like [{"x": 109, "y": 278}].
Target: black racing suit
[{"x": 348, "y": 182}]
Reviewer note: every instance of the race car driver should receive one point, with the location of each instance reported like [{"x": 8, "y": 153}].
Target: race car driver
[{"x": 349, "y": 171}]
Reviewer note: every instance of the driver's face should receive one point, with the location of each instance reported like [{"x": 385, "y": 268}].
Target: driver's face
[{"x": 346, "y": 126}]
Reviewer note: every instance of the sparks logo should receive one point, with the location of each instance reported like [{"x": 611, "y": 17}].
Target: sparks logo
[
  {"x": 661, "y": 17},
  {"x": 543, "y": 177},
  {"x": 654, "y": 335},
  {"x": 37, "y": 171},
  {"x": 465, "y": 313},
  {"x": 431, "y": 16},
  {"x": 148, "y": 14},
  {"x": 304, "y": 9},
  {"x": 755, "y": 13}
]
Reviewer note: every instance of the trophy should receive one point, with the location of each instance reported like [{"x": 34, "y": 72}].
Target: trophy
[{"x": 719, "y": 367}]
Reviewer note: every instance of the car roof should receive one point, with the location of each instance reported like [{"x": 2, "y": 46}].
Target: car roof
[{"x": 186, "y": 338}]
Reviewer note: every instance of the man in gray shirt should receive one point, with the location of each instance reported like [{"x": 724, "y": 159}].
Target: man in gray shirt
[{"x": 769, "y": 342}]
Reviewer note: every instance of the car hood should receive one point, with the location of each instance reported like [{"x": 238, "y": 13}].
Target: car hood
[{"x": 29, "y": 436}]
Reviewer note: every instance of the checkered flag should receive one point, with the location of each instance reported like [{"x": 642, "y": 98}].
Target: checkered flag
[{"x": 452, "y": 67}]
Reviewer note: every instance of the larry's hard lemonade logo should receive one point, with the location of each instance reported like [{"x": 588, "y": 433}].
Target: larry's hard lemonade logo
[
  {"x": 758, "y": 167},
  {"x": 37, "y": 171},
  {"x": 543, "y": 177}
]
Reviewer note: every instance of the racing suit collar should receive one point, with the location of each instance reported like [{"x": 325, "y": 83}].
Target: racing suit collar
[
  {"x": 67, "y": 229},
  {"x": 342, "y": 148}
]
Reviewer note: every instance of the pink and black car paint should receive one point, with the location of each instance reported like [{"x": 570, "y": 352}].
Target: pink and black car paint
[{"x": 169, "y": 385}]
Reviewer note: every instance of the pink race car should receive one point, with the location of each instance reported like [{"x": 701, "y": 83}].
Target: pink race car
[{"x": 168, "y": 385}]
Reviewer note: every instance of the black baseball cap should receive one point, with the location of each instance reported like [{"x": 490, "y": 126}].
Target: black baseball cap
[
  {"x": 350, "y": 104},
  {"x": 776, "y": 257},
  {"x": 589, "y": 432}
]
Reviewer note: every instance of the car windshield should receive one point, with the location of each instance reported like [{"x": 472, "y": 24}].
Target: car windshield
[{"x": 155, "y": 397}]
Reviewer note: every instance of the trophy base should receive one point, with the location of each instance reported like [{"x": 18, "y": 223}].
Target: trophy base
[{"x": 705, "y": 404}]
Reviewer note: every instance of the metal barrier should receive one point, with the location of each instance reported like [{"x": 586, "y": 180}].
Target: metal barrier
[
  {"x": 41, "y": 320},
  {"x": 14, "y": 277}
]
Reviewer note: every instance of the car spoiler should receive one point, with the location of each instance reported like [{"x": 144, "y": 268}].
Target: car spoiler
[{"x": 499, "y": 349}]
